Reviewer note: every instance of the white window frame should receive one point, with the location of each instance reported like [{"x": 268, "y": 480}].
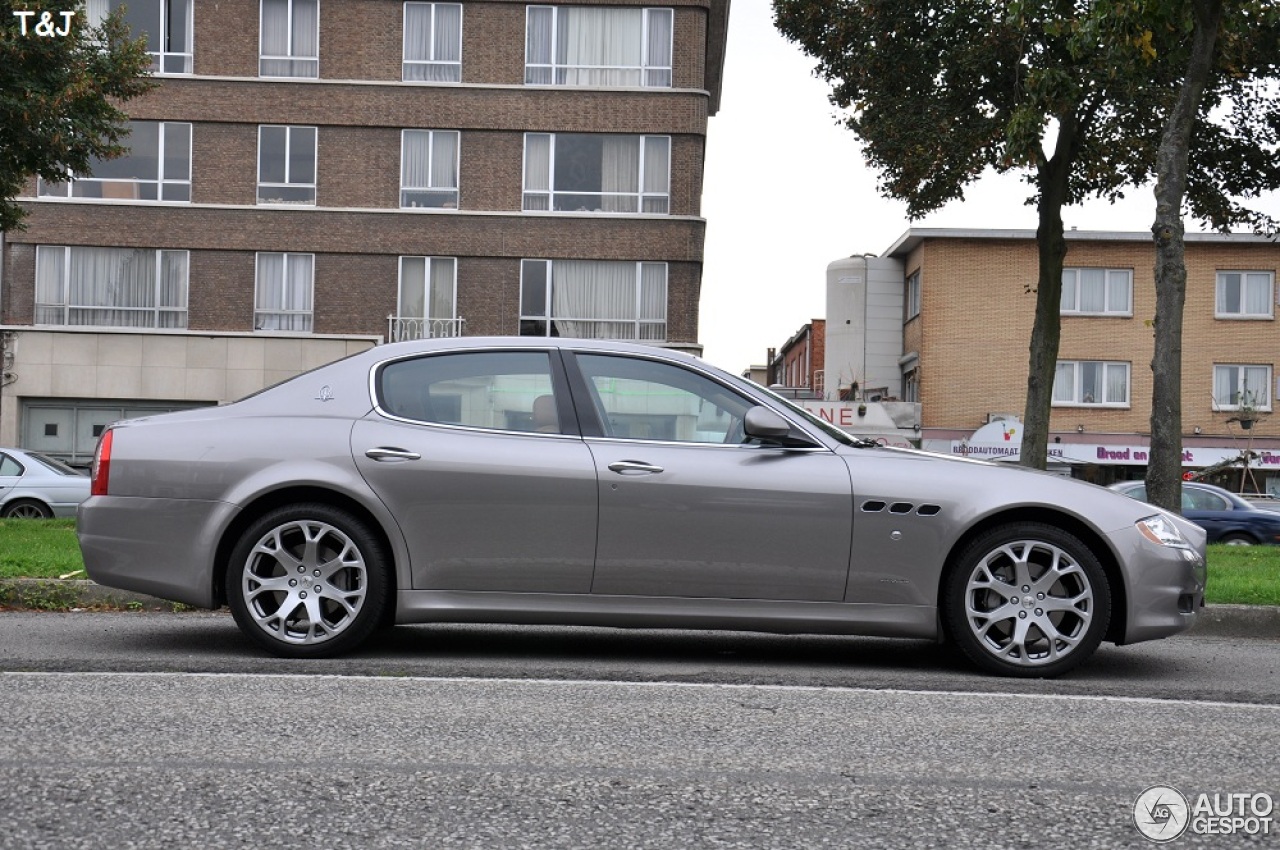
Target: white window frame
[
  {"x": 537, "y": 199},
  {"x": 1071, "y": 292},
  {"x": 165, "y": 61},
  {"x": 648, "y": 74},
  {"x": 912, "y": 296},
  {"x": 1219, "y": 311},
  {"x": 264, "y": 317},
  {"x": 296, "y": 60},
  {"x": 1077, "y": 380},
  {"x": 1242, "y": 387},
  {"x": 444, "y": 68},
  {"x": 289, "y": 184},
  {"x": 407, "y": 191},
  {"x": 131, "y": 189},
  {"x": 639, "y": 323},
  {"x": 61, "y": 309}
]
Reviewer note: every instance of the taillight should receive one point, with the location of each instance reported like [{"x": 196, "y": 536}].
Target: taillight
[{"x": 101, "y": 475}]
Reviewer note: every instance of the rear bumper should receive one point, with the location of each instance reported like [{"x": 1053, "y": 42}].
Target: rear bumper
[{"x": 160, "y": 547}]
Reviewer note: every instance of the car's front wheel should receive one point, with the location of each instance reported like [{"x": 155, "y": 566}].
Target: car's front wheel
[
  {"x": 308, "y": 581},
  {"x": 1028, "y": 600}
]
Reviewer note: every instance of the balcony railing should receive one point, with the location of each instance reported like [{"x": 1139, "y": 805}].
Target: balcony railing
[{"x": 403, "y": 328}]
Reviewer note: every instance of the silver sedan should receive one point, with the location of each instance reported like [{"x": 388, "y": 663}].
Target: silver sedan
[
  {"x": 35, "y": 486},
  {"x": 602, "y": 483}
]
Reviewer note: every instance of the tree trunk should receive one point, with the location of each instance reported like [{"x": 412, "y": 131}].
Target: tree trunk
[
  {"x": 1047, "y": 330},
  {"x": 1164, "y": 470}
]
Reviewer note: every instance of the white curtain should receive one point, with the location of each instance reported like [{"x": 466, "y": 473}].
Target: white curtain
[
  {"x": 653, "y": 301},
  {"x": 443, "y": 288},
  {"x": 658, "y": 59},
  {"x": 1117, "y": 383},
  {"x": 433, "y": 42},
  {"x": 537, "y": 171},
  {"x": 173, "y": 289},
  {"x": 1119, "y": 286},
  {"x": 657, "y": 174},
  {"x": 283, "y": 301},
  {"x": 538, "y": 52},
  {"x": 103, "y": 283},
  {"x": 290, "y": 29},
  {"x": 413, "y": 278},
  {"x": 599, "y": 46},
  {"x": 1257, "y": 299},
  {"x": 444, "y": 159},
  {"x": 594, "y": 300},
  {"x": 1064, "y": 382},
  {"x": 415, "y": 159},
  {"x": 1092, "y": 290},
  {"x": 51, "y": 297},
  {"x": 620, "y": 173}
]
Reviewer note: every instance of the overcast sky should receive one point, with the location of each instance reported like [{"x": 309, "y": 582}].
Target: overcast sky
[{"x": 786, "y": 192}]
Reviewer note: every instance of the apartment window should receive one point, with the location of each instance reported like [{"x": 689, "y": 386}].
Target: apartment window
[
  {"x": 597, "y": 173},
  {"x": 429, "y": 168},
  {"x": 592, "y": 46},
  {"x": 593, "y": 299},
  {"x": 283, "y": 292},
  {"x": 433, "y": 42},
  {"x": 913, "y": 295},
  {"x": 290, "y": 39},
  {"x": 1094, "y": 383},
  {"x": 1097, "y": 292},
  {"x": 428, "y": 299},
  {"x": 286, "y": 165},
  {"x": 111, "y": 287},
  {"x": 1236, "y": 386},
  {"x": 156, "y": 168},
  {"x": 166, "y": 25},
  {"x": 1244, "y": 295}
]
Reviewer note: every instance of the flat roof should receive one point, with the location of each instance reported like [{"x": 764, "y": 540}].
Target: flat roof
[{"x": 909, "y": 241}]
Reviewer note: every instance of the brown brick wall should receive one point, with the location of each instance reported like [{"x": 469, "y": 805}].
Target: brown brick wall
[
  {"x": 977, "y": 318},
  {"x": 364, "y": 40}
]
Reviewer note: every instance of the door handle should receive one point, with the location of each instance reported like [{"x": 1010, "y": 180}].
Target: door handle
[
  {"x": 385, "y": 454},
  {"x": 626, "y": 467}
]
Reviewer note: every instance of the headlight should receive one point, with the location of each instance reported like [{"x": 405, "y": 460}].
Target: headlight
[{"x": 1162, "y": 531}]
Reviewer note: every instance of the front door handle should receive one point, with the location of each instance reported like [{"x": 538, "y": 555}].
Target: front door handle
[
  {"x": 630, "y": 467},
  {"x": 384, "y": 453}
]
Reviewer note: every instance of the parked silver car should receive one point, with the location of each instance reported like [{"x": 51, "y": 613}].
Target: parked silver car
[
  {"x": 577, "y": 482},
  {"x": 36, "y": 486}
]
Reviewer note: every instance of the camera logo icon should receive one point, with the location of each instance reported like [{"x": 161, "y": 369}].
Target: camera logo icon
[{"x": 1161, "y": 813}]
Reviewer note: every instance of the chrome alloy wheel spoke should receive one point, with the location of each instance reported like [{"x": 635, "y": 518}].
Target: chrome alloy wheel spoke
[
  {"x": 1029, "y": 603},
  {"x": 304, "y": 582}
]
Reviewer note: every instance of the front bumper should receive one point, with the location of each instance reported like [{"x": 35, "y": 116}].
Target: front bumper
[{"x": 1164, "y": 586}]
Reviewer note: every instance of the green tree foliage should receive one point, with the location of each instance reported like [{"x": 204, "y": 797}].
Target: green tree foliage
[
  {"x": 1071, "y": 93},
  {"x": 60, "y": 95}
]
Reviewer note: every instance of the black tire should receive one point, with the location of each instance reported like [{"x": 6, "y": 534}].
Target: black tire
[
  {"x": 1026, "y": 621},
  {"x": 26, "y": 509},
  {"x": 308, "y": 581},
  {"x": 1237, "y": 540}
]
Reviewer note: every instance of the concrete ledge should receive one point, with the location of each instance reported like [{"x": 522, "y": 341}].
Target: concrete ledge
[
  {"x": 69, "y": 594},
  {"x": 1238, "y": 621}
]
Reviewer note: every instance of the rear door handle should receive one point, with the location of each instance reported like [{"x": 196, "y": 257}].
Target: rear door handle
[
  {"x": 633, "y": 467},
  {"x": 383, "y": 453}
]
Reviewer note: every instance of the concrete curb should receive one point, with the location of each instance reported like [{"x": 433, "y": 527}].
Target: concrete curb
[{"x": 1230, "y": 621}]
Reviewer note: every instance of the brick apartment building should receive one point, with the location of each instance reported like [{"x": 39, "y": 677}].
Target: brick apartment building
[
  {"x": 944, "y": 317},
  {"x": 799, "y": 362},
  {"x": 312, "y": 177}
]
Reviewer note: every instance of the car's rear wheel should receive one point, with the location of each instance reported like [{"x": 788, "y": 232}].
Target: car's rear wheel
[
  {"x": 1237, "y": 540},
  {"x": 307, "y": 581},
  {"x": 26, "y": 509},
  {"x": 1028, "y": 600}
]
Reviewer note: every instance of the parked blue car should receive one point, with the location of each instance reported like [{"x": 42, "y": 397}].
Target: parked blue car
[{"x": 1227, "y": 518}]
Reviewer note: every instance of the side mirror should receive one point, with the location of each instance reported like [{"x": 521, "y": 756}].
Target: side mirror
[{"x": 762, "y": 423}]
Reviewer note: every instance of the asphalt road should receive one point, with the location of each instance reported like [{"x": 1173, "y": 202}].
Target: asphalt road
[{"x": 157, "y": 730}]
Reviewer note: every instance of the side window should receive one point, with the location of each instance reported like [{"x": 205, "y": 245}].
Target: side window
[
  {"x": 9, "y": 466},
  {"x": 498, "y": 390},
  {"x": 648, "y": 400},
  {"x": 1203, "y": 500}
]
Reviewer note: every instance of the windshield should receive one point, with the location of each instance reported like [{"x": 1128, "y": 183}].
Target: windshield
[{"x": 53, "y": 464}]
